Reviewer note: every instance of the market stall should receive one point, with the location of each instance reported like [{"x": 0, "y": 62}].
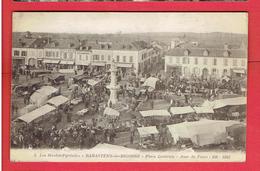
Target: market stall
[
  {"x": 38, "y": 115},
  {"x": 203, "y": 132},
  {"x": 148, "y": 137},
  {"x": 204, "y": 112},
  {"x": 155, "y": 116},
  {"x": 40, "y": 96},
  {"x": 183, "y": 113},
  {"x": 58, "y": 101}
]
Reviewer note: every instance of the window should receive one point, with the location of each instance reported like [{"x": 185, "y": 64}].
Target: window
[
  {"x": 80, "y": 57},
  {"x": 214, "y": 71},
  {"x": 16, "y": 53},
  {"x": 57, "y": 54},
  {"x": 131, "y": 59},
  {"x": 117, "y": 58},
  {"x": 225, "y": 62},
  {"x": 124, "y": 58},
  {"x": 65, "y": 55},
  {"x": 24, "y": 53},
  {"x": 196, "y": 61},
  {"x": 40, "y": 54},
  {"x": 71, "y": 55},
  {"x": 205, "y": 61},
  {"x": 184, "y": 60},
  {"x": 108, "y": 57},
  {"x": 86, "y": 57},
  {"x": 234, "y": 62},
  {"x": 243, "y": 63},
  {"x": 96, "y": 57},
  {"x": 177, "y": 60},
  {"x": 102, "y": 57},
  {"x": 214, "y": 61}
]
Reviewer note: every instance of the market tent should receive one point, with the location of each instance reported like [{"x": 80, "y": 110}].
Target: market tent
[
  {"x": 93, "y": 82},
  {"x": 229, "y": 102},
  {"x": 111, "y": 112},
  {"x": 58, "y": 100},
  {"x": 203, "y": 132},
  {"x": 155, "y": 113},
  {"x": 39, "y": 97},
  {"x": 48, "y": 90},
  {"x": 216, "y": 104},
  {"x": 150, "y": 82},
  {"x": 146, "y": 131},
  {"x": 208, "y": 103},
  {"x": 35, "y": 114},
  {"x": 181, "y": 110},
  {"x": 203, "y": 110}
]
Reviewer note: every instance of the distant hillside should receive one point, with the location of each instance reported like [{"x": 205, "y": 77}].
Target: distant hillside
[{"x": 215, "y": 39}]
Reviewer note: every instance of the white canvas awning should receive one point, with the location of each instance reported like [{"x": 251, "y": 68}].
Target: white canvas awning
[
  {"x": 150, "y": 82},
  {"x": 29, "y": 117},
  {"x": 93, "y": 82},
  {"x": 111, "y": 112},
  {"x": 124, "y": 65},
  {"x": 98, "y": 63},
  {"x": 146, "y": 131},
  {"x": 48, "y": 90},
  {"x": 155, "y": 113},
  {"x": 203, "y": 132},
  {"x": 202, "y": 110},
  {"x": 58, "y": 100},
  {"x": 49, "y": 61},
  {"x": 181, "y": 110},
  {"x": 229, "y": 102},
  {"x": 239, "y": 71},
  {"x": 67, "y": 62},
  {"x": 39, "y": 97}
]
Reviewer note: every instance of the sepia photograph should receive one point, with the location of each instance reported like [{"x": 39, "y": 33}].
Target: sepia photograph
[{"x": 129, "y": 86}]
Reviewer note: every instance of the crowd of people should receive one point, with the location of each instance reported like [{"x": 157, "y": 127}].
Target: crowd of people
[{"x": 81, "y": 134}]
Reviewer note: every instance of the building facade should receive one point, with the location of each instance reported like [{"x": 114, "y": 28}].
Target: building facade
[
  {"x": 206, "y": 62},
  {"x": 71, "y": 54}
]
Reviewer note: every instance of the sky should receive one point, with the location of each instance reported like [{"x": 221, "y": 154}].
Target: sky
[{"x": 129, "y": 22}]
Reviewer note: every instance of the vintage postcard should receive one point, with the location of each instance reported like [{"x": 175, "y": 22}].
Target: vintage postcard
[{"x": 129, "y": 87}]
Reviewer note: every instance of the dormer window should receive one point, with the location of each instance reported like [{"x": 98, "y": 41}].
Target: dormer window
[
  {"x": 186, "y": 52},
  {"x": 206, "y": 53}
]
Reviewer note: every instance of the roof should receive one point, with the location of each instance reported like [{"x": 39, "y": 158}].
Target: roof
[
  {"x": 216, "y": 104},
  {"x": 155, "y": 113},
  {"x": 29, "y": 117},
  {"x": 145, "y": 131},
  {"x": 212, "y": 52},
  {"x": 181, "y": 110},
  {"x": 201, "y": 110},
  {"x": 22, "y": 42},
  {"x": 58, "y": 100},
  {"x": 48, "y": 90},
  {"x": 63, "y": 44},
  {"x": 212, "y": 129}
]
